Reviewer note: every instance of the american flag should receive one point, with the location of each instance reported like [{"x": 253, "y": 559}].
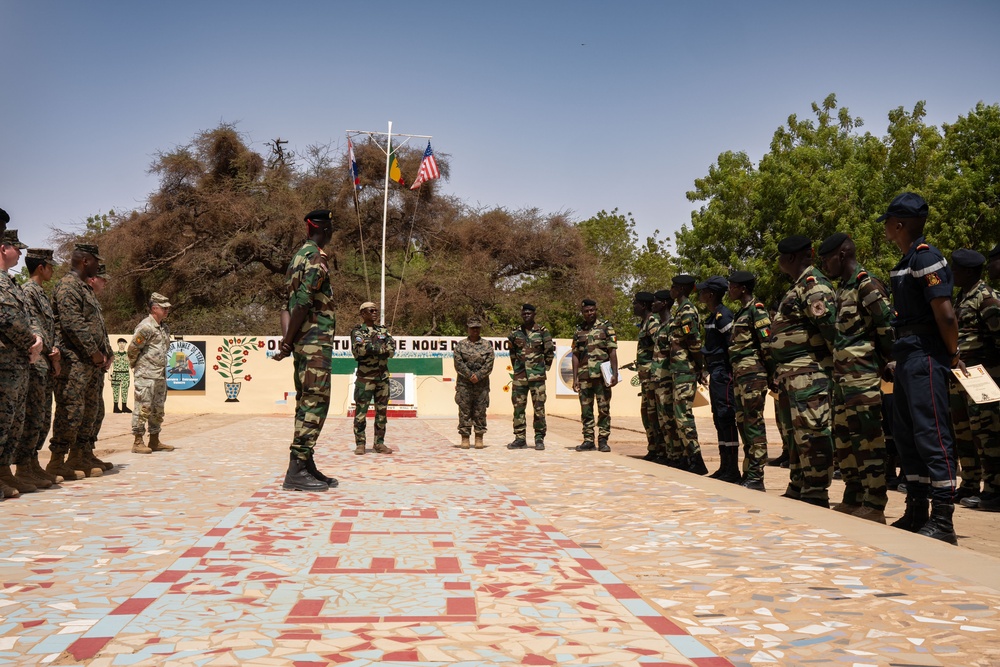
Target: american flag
[{"x": 428, "y": 168}]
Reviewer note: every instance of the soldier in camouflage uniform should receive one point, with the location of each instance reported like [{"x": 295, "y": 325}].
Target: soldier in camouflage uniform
[
  {"x": 670, "y": 449},
  {"x": 750, "y": 357},
  {"x": 531, "y": 354},
  {"x": 98, "y": 283},
  {"x": 86, "y": 354},
  {"x": 147, "y": 355},
  {"x": 718, "y": 376},
  {"x": 372, "y": 346},
  {"x": 649, "y": 324},
  {"x": 805, "y": 335},
  {"x": 863, "y": 349},
  {"x": 685, "y": 364},
  {"x": 22, "y": 345},
  {"x": 594, "y": 343},
  {"x": 121, "y": 377},
  {"x": 308, "y": 338},
  {"x": 977, "y": 425},
  {"x": 473, "y": 365}
]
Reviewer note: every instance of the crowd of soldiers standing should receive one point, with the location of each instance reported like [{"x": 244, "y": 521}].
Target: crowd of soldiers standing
[{"x": 59, "y": 347}]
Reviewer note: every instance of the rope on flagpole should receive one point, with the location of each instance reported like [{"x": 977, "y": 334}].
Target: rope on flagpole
[
  {"x": 361, "y": 234},
  {"x": 406, "y": 260}
]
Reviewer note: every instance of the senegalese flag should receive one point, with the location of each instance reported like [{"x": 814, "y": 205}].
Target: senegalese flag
[{"x": 394, "y": 173}]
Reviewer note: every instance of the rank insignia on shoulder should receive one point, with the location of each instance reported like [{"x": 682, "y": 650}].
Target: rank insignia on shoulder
[
  {"x": 862, "y": 274},
  {"x": 761, "y": 306},
  {"x": 933, "y": 279},
  {"x": 764, "y": 323},
  {"x": 923, "y": 246},
  {"x": 810, "y": 279}
]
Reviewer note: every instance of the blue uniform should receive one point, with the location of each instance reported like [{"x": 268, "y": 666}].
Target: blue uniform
[
  {"x": 921, "y": 414},
  {"x": 718, "y": 329}
]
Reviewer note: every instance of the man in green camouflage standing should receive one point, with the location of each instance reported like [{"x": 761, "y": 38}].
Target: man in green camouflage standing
[
  {"x": 685, "y": 364},
  {"x": 372, "y": 347},
  {"x": 147, "y": 356},
  {"x": 670, "y": 450},
  {"x": 977, "y": 425},
  {"x": 805, "y": 335},
  {"x": 308, "y": 338},
  {"x": 473, "y": 358},
  {"x": 863, "y": 348},
  {"x": 649, "y": 324},
  {"x": 531, "y": 354},
  {"x": 594, "y": 343}
]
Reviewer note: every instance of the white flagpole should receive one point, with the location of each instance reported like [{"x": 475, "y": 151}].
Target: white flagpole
[{"x": 385, "y": 215}]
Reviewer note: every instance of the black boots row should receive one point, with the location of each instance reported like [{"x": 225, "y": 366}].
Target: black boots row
[
  {"x": 937, "y": 523},
  {"x": 729, "y": 465},
  {"x": 302, "y": 475}
]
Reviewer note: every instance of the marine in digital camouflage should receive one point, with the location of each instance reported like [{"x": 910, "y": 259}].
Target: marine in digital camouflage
[
  {"x": 38, "y": 406},
  {"x": 17, "y": 332},
  {"x": 372, "y": 347},
  {"x": 473, "y": 358}
]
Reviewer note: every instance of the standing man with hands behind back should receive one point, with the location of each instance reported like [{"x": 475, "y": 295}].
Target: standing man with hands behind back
[{"x": 531, "y": 355}]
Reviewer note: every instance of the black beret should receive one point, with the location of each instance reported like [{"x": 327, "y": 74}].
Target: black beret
[
  {"x": 645, "y": 297},
  {"x": 794, "y": 243},
  {"x": 662, "y": 295},
  {"x": 742, "y": 277},
  {"x": 967, "y": 259},
  {"x": 995, "y": 252},
  {"x": 906, "y": 205},
  {"x": 832, "y": 242},
  {"x": 715, "y": 284},
  {"x": 319, "y": 215},
  {"x": 589, "y": 302},
  {"x": 4, "y": 218},
  {"x": 528, "y": 306},
  {"x": 684, "y": 280}
]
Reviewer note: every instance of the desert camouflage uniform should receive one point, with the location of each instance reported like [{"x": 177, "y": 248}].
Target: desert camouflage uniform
[
  {"x": 372, "y": 347},
  {"x": 750, "y": 356},
  {"x": 81, "y": 332},
  {"x": 864, "y": 346},
  {"x": 684, "y": 332},
  {"x": 17, "y": 333},
  {"x": 592, "y": 347},
  {"x": 147, "y": 354},
  {"x": 531, "y": 356},
  {"x": 307, "y": 283},
  {"x": 804, "y": 336},
  {"x": 473, "y": 398},
  {"x": 644, "y": 350},
  {"x": 38, "y": 406},
  {"x": 977, "y": 425}
]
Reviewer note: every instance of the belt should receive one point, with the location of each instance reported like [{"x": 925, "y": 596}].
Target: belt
[
  {"x": 717, "y": 359},
  {"x": 916, "y": 330}
]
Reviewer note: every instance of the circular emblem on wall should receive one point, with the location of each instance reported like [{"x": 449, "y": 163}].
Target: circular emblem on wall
[
  {"x": 185, "y": 365},
  {"x": 566, "y": 369},
  {"x": 396, "y": 389}
]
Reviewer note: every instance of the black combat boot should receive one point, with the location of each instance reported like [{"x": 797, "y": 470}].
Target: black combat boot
[
  {"x": 939, "y": 525},
  {"x": 696, "y": 464},
  {"x": 585, "y": 447},
  {"x": 915, "y": 516},
  {"x": 753, "y": 483},
  {"x": 314, "y": 471},
  {"x": 818, "y": 502},
  {"x": 117, "y": 410},
  {"x": 602, "y": 445},
  {"x": 722, "y": 463},
  {"x": 517, "y": 443},
  {"x": 731, "y": 470},
  {"x": 125, "y": 409},
  {"x": 297, "y": 478}
]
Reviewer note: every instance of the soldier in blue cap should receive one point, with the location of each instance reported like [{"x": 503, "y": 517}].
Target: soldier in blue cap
[
  {"x": 925, "y": 350},
  {"x": 718, "y": 375}
]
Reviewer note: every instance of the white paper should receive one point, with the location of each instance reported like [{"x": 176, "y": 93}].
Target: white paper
[
  {"x": 608, "y": 371},
  {"x": 979, "y": 385}
]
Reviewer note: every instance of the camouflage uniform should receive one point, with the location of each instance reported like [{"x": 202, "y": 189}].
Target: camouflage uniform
[
  {"x": 17, "y": 335},
  {"x": 372, "y": 347},
  {"x": 805, "y": 332},
  {"x": 120, "y": 378},
  {"x": 864, "y": 346},
  {"x": 750, "y": 356},
  {"x": 531, "y": 356},
  {"x": 147, "y": 354},
  {"x": 663, "y": 394},
  {"x": 592, "y": 347},
  {"x": 82, "y": 332},
  {"x": 38, "y": 407},
  {"x": 307, "y": 283},
  {"x": 684, "y": 332},
  {"x": 473, "y": 358},
  {"x": 644, "y": 351},
  {"x": 977, "y": 425}
]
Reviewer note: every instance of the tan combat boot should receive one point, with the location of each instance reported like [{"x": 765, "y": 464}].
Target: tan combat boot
[
  {"x": 139, "y": 447},
  {"x": 78, "y": 460},
  {"x": 57, "y": 466},
  {"x": 156, "y": 445},
  {"x": 23, "y": 472},
  {"x": 479, "y": 441},
  {"x": 381, "y": 448},
  {"x": 9, "y": 481},
  {"x": 359, "y": 449},
  {"x": 39, "y": 471},
  {"x": 91, "y": 457},
  {"x": 465, "y": 442}
]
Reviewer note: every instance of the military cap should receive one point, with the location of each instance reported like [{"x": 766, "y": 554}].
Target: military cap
[
  {"x": 320, "y": 215},
  {"x": 715, "y": 284},
  {"x": 645, "y": 297},
  {"x": 589, "y": 302},
  {"x": 528, "y": 306},
  {"x": 794, "y": 243},
  {"x": 158, "y": 299},
  {"x": 473, "y": 323},
  {"x": 742, "y": 277},
  {"x": 365, "y": 305},
  {"x": 684, "y": 280},
  {"x": 906, "y": 205},
  {"x": 832, "y": 242},
  {"x": 967, "y": 259},
  {"x": 995, "y": 252},
  {"x": 91, "y": 248},
  {"x": 102, "y": 272},
  {"x": 4, "y": 217},
  {"x": 662, "y": 294},
  {"x": 10, "y": 238},
  {"x": 43, "y": 254}
]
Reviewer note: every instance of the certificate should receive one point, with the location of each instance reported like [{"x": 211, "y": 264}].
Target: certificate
[
  {"x": 608, "y": 372},
  {"x": 979, "y": 385}
]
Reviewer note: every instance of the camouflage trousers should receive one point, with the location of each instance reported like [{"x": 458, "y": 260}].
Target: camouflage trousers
[
  {"x": 37, "y": 413},
  {"x": 663, "y": 392},
  {"x": 783, "y": 418},
  {"x": 77, "y": 393},
  {"x": 13, "y": 391},
  {"x": 650, "y": 420},
  {"x": 750, "y": 394},
  {"x": 472, "y": 400},
  {"x": 810, "y": 459},
  {"x": 119, "y": 386},
  {"x": 684, "y": 387},
  {"x": 977, "y": 440},
  {"x": 595, "y": 391},
  {"x": 312, "y": 395},
  {"x": 367, "y": 392},
  {"x": 150, "y": 397},
  {"x": 519, "y": 392},
  {"x": 859, "y": 442},
  {"x": 99, "y": 417}
]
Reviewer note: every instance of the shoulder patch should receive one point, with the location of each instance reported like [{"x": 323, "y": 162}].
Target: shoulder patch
[
  {"x": 862, "y": 275},
  {"x": 138, "y": 339},
  {"x": 933, "y": 279},
  {"x": 761, "y": 306},
  {"x": 922, "y": 247},
  {"x": 810, "y": 279}
]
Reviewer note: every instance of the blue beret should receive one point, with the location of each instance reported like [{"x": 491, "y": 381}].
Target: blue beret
[
  {"x": 715, "y": 284},
  {"x": 906, "y": 205}
]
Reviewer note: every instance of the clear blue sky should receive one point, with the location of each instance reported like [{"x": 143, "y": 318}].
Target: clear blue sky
[{"x": 565, "y": 106}]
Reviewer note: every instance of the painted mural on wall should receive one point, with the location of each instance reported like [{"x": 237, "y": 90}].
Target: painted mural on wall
[
  {"x": 121, "y": 377},
  {"x": 229, "y": 361},
  {"x": 186, "y": 365}
]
